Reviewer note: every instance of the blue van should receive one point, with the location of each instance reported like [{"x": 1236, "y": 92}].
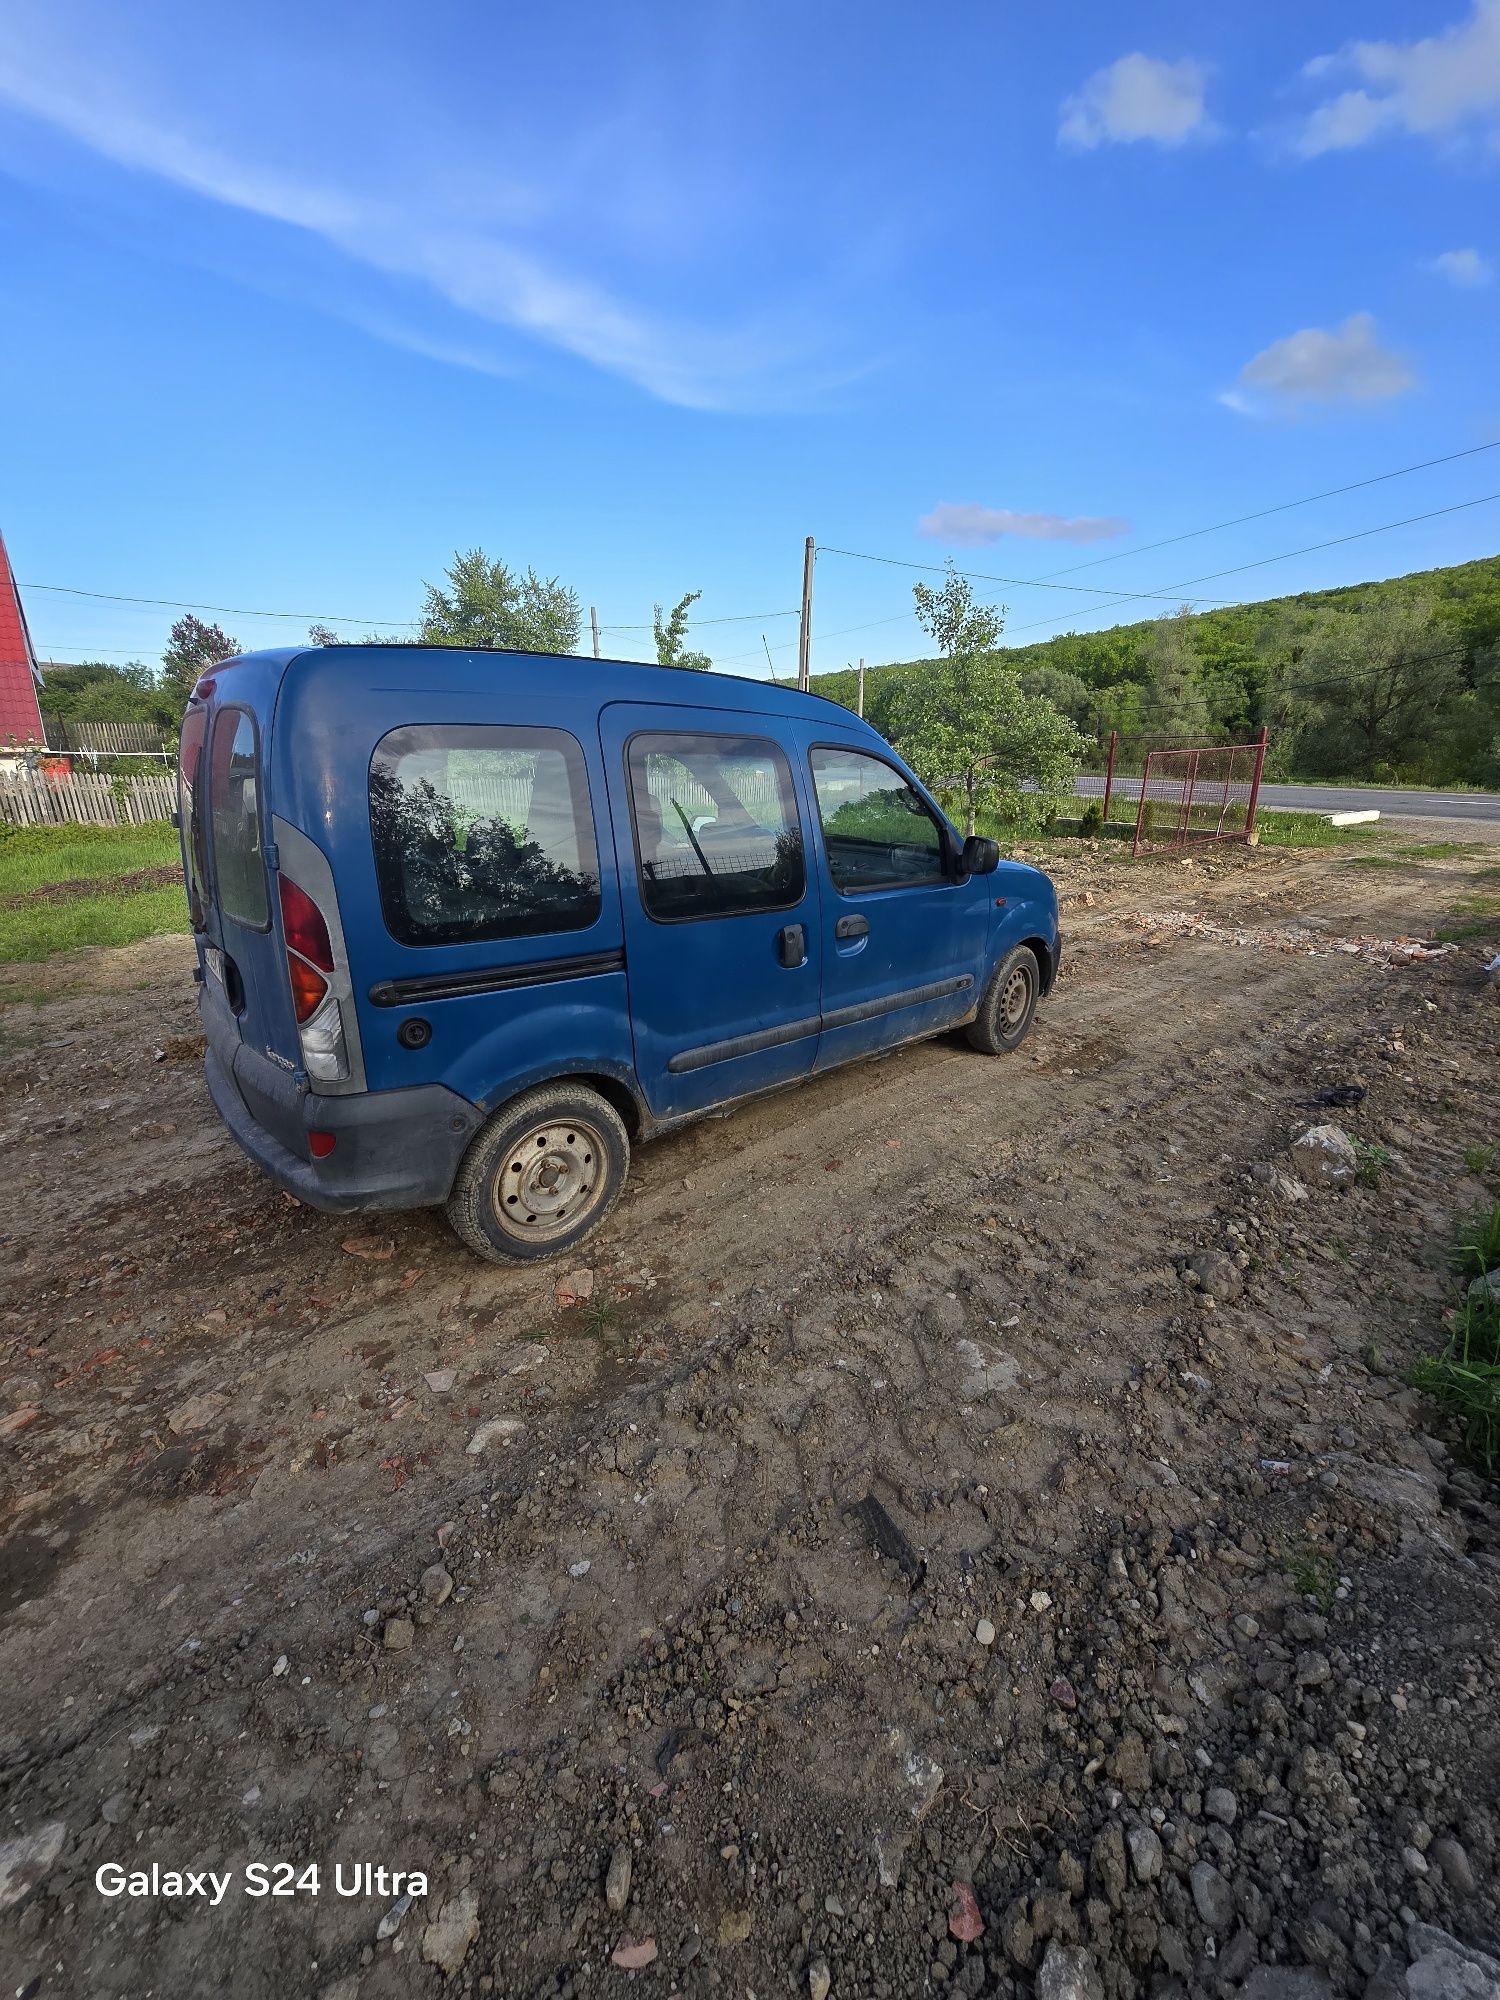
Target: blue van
[{"x": 469, "y": 924}]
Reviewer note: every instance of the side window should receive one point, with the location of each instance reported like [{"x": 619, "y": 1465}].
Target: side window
[
  {"x": 482, "y": 833},
  {"x": 190, "y": 811},
  {"x": 716, "y": 826},
  {"x": 234, "y": 810},
  {"x": 879, "y": 833}
]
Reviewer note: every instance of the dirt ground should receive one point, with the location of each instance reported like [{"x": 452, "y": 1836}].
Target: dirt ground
[{"x": 1169, "y": 1666}]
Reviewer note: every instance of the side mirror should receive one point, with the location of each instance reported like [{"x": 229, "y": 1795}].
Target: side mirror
[{"x": 980, "y": 856}]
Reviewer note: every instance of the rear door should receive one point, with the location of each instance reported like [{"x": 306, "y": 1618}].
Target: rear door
[
  {"x": 251, "y": 966},
  {"x": 721, "y": 905},
  {"x": 905, "y": 938}
]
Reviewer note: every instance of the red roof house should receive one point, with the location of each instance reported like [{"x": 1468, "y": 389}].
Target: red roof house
[{"x": 20, "y": 717}]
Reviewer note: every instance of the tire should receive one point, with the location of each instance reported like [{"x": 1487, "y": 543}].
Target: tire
[
  {"x": 541, "y": 1175},
  {"x": 1009, "y": 1005}
]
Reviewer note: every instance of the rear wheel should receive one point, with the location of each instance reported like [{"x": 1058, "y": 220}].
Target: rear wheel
[
  {"x": 541, "y": 1175},
  {"x": 1009, "y": 1004}
]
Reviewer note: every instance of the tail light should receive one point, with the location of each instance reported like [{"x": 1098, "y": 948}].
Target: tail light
[{"x": 310, "y": 967}]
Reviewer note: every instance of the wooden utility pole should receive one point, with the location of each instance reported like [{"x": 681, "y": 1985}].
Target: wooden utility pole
[
  {"x": 594, "y": 622},
  {"x": 861, "y": 685},
  {"x": 804, "y": 642}
]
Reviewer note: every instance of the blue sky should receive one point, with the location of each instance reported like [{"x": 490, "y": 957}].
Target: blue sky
[{"x": 301, "y": 298}]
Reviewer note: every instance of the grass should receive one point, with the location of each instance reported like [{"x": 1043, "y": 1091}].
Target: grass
[
  {"x": 1480, "y": 1159},
  {"x": 39, "y": 930},
  {"x": 1464, "y": 1380},
  {"x": 1436, "y": 850},
  {"x": 1307, "y": 829},
  {"x": 35, "y": 858},
  {"x": 1276, "y": 829},
  {"x": 1475, "y": 916}
]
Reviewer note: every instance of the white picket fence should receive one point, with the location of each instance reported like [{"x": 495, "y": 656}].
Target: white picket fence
[{"x": 31, "y": 798}]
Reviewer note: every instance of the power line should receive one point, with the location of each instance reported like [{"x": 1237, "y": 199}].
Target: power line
[
  {"x": 1312, "y": 548},
  {"x": 984, "y": 576},
  {"x": 330, "y": 618},
  {"x": 1264, "y": 513},
  {"x": 738, "y": 618},
  {"x": 225, "y": 610}
]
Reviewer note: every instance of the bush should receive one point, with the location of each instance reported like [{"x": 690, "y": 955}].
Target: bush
[{"x": 1091, "y": 820}]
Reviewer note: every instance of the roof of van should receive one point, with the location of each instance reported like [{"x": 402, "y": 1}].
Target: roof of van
[{"x": 610, "y": 680}]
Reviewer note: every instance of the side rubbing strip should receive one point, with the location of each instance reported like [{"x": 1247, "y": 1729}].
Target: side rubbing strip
[
  {"x": 891, "y": 1003},
  {"x": 742, "y": 1045},
  {"x": 794, "y": 1031},
  {"x": 492, "y": 979}
]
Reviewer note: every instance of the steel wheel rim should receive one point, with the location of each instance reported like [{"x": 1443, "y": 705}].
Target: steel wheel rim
[
  {"x": 551, "y": 1179},
  {"x": 1015, "y": 998}
]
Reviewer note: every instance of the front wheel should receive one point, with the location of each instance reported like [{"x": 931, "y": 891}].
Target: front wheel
[
  {"x": 1009, "y": 1005},
  {"x": 541, "y": 1175}
]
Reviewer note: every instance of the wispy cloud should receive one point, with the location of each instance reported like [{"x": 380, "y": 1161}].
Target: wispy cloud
[
  {"x": 1435, "y": 88},
  {"x": 1345, "y": 365},
  {"x": 1464, "y": 268},
  {"x": 1138, "y": 97},
  {"x": 968, "y": 525},
  {"x": 761, "y": 359}
]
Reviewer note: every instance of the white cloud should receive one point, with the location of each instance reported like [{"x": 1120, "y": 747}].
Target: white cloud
[
  {"x": 1138, "y": 97},
  {"x": 461, "y": 252},
  {"x": 1464, "y": 268},
  {"x": 1434, "y": 88},
  {"x": 968, "y": 525},
  {"x": 1318, "y": 366}
]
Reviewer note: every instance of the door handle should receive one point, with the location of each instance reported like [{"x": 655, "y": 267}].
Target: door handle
[
  {"x": 851, "y": 927},
  {"x": 791, "y": 946}
]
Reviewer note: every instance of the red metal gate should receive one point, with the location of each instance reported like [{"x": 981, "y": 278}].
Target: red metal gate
[{"x": 1189, "y": 796}]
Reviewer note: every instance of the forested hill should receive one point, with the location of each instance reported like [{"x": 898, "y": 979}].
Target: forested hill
[{"x": 1392, "y": 680}]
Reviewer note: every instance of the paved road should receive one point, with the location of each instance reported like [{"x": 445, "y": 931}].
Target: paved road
[{"x": 1385, "y": 799}]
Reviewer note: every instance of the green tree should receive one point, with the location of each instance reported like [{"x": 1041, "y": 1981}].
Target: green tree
[
  {"x": 1173, "y": 703},
  {"x": 950, "y": 614},
  {"x": 671, "y": 637},
  {"x": 968, "y": 728},
  {"x": 93, "y": 691},
  {"x": 192, "y": 649},
  {"x": 487, "y": 604},
  {"x": 1064, "y": 690},
  {"x": 1373, "y": 692}
]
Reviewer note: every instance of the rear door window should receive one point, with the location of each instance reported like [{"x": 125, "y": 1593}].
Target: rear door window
[
  {"x": 190, "y": 812},
  {"x": 879, "y": 832},
  {"x": 234, "y": 811},
  {"x": 716, "y": 826},
  {"x": 482, "y": 833}
]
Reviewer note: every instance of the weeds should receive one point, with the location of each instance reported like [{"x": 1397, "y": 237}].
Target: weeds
[
  {"x": 1370, "y": 1162},
  {"x": 1481, "y": 1159},
  {"x": 601, "y": 1320},
  {"x": 1464, "y": 1380},
  {"x": 1478, "y": 1247},
  {"x": 1313, "y": 1574}
]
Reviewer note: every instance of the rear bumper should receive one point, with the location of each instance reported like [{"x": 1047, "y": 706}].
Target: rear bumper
[{"x": 394, "y": 1148}]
